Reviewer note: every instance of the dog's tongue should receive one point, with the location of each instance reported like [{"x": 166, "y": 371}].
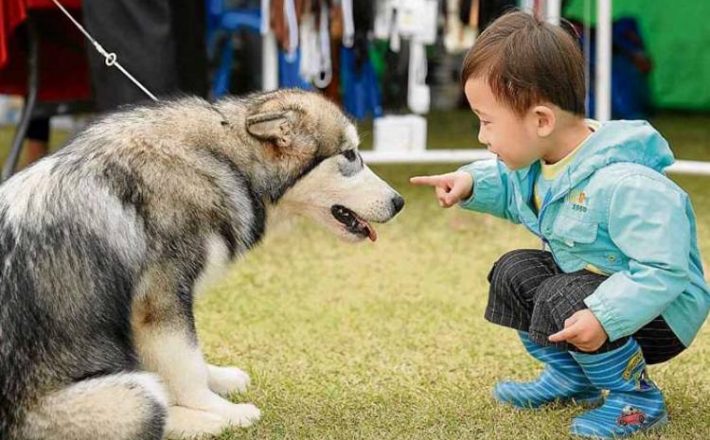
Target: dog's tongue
[{"x": 371, "y": 233}]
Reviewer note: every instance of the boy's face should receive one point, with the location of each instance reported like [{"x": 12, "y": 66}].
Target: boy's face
[{"x": 510, "y": 136}]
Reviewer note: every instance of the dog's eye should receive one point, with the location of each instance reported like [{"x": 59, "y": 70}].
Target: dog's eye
[{"x": 350, "y": 155}]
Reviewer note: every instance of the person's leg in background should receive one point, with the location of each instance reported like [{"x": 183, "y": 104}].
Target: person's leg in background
[
  {"x": 188, "y": 28},
  {"x": 37, "y": 140},
  {"x": 160, "y": 43}
]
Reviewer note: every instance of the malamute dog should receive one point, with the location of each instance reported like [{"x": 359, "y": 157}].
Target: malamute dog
[{"x": 104, "y": 244}]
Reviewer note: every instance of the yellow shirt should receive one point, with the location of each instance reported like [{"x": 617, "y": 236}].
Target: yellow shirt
[{"x": 550, "y": 171}]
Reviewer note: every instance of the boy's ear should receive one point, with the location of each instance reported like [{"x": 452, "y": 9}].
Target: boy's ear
[{"x": 545, "y": 119}]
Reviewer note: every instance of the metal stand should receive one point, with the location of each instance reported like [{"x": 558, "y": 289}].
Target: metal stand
[{"x": 30, "y": 102}]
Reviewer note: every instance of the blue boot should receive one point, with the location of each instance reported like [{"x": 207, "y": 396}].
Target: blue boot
[
  {"x": 561, "y": 380},
  {"x": 634, "y": 402}
]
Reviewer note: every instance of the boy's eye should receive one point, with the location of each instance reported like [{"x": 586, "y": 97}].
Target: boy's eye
[{"x": 485, "y": 122}]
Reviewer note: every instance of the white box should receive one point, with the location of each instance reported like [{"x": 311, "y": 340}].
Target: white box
[
  {"x": 10, "y": 109},
  {"x": 418, "y": 19},
  {"x": 401, "y": 133}
]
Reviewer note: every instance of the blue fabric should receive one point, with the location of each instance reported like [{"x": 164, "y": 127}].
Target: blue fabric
[
  {"x": 223, "y": 21},
  {"x": 361, "y": 92},
  {"x": 630, "y": 92},
  {"x": 634, "y": 402},
  {"x": 289, "y": 71},
  {"x": 561, "y": 380},
  {"x": 614, "y": 209}
]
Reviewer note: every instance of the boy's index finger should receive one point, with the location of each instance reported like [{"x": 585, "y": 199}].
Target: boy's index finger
[
  {"x": 425, "y": 180},
  {"x": 563, "y": 335}
]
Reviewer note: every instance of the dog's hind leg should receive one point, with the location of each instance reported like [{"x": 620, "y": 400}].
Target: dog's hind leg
[{"x": 124, "y": 406}]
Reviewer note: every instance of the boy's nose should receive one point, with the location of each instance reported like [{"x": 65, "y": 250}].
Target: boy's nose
[{"x": 481, "y": 138}]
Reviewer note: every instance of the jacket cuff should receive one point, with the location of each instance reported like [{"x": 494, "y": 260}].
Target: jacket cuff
[
  {"x": 607, "y": 319},
  {"x": 486, "y": 186}
]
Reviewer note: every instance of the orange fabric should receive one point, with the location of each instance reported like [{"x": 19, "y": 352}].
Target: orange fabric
[
  {"x": 278, "y": 19},
  {"x": 473, "y": 15}
]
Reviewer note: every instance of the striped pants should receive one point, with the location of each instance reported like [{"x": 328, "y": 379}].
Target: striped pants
[{"x": 529, "y": 292}]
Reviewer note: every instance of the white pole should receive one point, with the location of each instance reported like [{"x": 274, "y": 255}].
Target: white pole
[
  {"x": 527, "y": 5},
  {"x": 269, "y": 62},
  {"x": 553, "y": 11},
  {"x": 603, "y": 67},
  {"x": 587, "y": 49},
  {"x": 269, "y": 53},
  {"x": 690, "y": 167}
]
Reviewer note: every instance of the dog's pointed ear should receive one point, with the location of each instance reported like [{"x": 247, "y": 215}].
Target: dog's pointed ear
[{"x": 277, "y": 127}]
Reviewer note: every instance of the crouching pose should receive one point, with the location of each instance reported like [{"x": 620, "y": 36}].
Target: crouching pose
[{"x": 619, "y": 282}]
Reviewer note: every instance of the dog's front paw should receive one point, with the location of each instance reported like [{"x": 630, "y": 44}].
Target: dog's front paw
[
  {"x": 242, "y": 414},
  {"x": 227, "y": 380}
]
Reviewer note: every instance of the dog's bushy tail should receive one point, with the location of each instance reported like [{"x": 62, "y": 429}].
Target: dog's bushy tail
[{"x": 120, "y": 406}]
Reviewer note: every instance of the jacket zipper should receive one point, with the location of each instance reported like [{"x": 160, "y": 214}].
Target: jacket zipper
[{"x": 545, "y": 202}]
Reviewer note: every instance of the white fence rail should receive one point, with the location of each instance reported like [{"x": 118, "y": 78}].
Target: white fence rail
[{"x": 464, "y": 156}]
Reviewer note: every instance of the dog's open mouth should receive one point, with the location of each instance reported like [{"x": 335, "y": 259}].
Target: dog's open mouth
[{"x": 353, "y": 223}]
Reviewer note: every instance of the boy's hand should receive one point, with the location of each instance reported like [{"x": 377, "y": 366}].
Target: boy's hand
[
  {"x": 582, "y": 330},
  {"x": 450, "y": 187}
]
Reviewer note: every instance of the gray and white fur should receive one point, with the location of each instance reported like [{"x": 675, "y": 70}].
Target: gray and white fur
[{"x": 105, "y": 243}]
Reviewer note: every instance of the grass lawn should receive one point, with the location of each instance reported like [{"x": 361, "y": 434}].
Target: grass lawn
[{"x": 388, "y": 340}]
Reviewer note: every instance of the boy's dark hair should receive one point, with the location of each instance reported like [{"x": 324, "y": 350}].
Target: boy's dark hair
[{"x": 526, "y": 61}]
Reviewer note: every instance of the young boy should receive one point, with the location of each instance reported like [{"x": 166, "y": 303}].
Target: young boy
[{"x": 619, "y": 283}]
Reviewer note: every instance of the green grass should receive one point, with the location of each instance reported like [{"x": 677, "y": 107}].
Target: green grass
[{"x": 387, "y": 340}]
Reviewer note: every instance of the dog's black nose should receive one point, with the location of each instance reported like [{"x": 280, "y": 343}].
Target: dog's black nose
[{"x": 397, "y": 203}]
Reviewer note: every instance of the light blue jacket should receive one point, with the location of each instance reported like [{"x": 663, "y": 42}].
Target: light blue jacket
[{"x": 612, "y": 208}]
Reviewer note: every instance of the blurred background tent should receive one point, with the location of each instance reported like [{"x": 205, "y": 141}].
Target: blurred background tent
[
  {"x": 677, "y": 39},
  {"x": 391, "y": 63}
]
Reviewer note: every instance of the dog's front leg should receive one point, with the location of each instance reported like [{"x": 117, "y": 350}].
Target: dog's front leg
[
  {"x": 166, "y": 344},
  {"x": 227, "y": 380}
]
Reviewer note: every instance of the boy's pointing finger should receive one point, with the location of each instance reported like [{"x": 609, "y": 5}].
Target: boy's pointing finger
[{"x": 425, "y": 180}]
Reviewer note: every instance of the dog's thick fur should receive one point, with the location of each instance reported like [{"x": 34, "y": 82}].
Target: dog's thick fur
[{"x": 104, "y": 244}]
